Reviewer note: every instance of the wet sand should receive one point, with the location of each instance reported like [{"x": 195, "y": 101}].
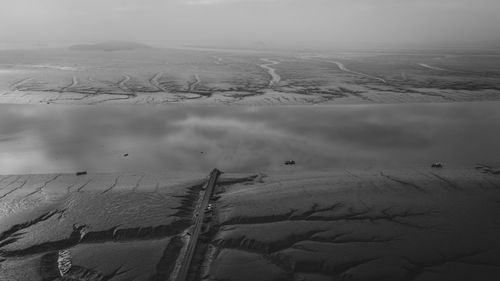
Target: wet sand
[
  {"x": 119, "y": 226},
  {"x": 360, "y": 203},
  {"x": 399, "y": 224},
  {"x": 419, "y": 224},
  {"x": 210, "y": 77}
]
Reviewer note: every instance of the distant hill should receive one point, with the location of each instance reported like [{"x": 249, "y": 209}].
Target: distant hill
[{"x": 110, "y": 46}]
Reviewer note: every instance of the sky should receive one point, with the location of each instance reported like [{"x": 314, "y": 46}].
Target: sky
[{"x": 236, "y": 23}]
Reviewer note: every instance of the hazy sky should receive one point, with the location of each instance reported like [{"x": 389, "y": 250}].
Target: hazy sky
[{"x": 247, "y": 22}]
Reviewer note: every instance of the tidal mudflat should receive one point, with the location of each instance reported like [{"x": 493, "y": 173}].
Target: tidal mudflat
[
  {"x": 360, "y": 203},
  {"x": 105, "y": 161},
  {"x": 93, "y": 227},
  {"x": 242, "y": 140},
  {"x": 211, "y": 76},
  {"x": 418, "y": 224},
  {"x": 378, "y": 224}
]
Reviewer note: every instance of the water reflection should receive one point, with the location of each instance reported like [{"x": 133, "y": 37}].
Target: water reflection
[{"x": 43, "y": 139}]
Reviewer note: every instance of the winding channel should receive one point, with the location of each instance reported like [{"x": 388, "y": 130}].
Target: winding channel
[
  {"x": 275, "y": 78},
  {"x": 342, "y": 67},
  {"x": 432, "y": 67}
]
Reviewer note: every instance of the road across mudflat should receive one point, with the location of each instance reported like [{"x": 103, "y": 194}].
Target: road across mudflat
[{"x": 199, "y": 214}]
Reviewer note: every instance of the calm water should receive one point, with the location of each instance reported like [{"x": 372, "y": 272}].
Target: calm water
[{"x": 55, "y": 138}]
